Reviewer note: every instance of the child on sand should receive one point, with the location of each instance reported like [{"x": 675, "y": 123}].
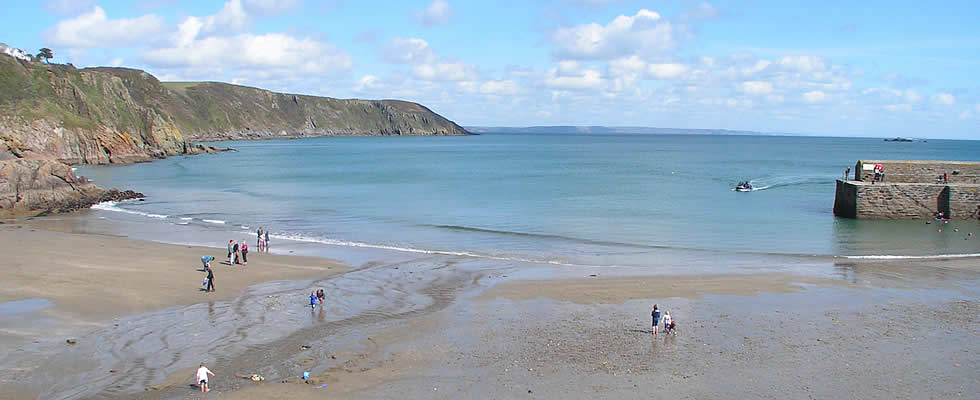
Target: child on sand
[
  {"x": 667, "y": 322},
  {"x": 655, "y": 314},
  {"x": 202, "y": 378},
  {"x": 313, "y": 299}
]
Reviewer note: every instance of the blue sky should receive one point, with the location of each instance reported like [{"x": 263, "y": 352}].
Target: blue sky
[{"x": 836, "y": 68}]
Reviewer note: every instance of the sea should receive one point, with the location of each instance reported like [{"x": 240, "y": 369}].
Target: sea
[{"x": 656, "y": 203}]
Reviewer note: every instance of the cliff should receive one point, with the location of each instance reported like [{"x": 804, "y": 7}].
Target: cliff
[
  {"x": 31, "y": 187},
  {"x": 119, "y": 115}
]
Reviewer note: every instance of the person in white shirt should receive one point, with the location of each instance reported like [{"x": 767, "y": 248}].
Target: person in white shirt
[
  {"x": 667, "y": 322},
  {"x": 202, "y": 377}
]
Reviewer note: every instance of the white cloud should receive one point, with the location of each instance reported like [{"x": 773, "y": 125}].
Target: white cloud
[
  {"x": 368, "y": 82},
  {"x": 667, "y": 71},
  {"x": 445, "y": 71},
  {"x": 803, "y": 63},
  {"x": 757, "y": 88},
  {"x": 94, "y": 29},
  {"x": 814, "y": 96},
  {"x": 409, "y": 51},
  {"x": 912, "y": 96},
  {"x": 271, "y": 7},
  {"x": 437, "y": 13},
  {"x": 644, "y": 32},
  {"x": 624, "y": 71},
  {"x": 232, "y": 18},
  {"x": 571, "y": 76},
  {"x": 944, "y": 99},
  {"x": 499, "y": 87},
  {"x": 68, "y": 7},
  {"x": 279, "y": 53}
]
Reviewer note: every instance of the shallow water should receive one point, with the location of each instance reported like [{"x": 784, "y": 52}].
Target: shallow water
[
  {"x": 552, "y": 199},
  {"x": 24, "y": 306}
]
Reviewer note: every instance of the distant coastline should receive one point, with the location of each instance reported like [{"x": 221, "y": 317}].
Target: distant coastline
[{"x": 619, "y": 130}]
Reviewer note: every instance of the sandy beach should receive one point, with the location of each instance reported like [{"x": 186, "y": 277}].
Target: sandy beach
[{"x": 425, "y": 328}]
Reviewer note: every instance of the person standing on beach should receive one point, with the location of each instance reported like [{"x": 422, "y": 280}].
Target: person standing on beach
[
  {"x": 258, "y": 239},
  {"x": 667, "y": 322},
  {"x": 235, "y": 252},
  {"x": 210, "y": 287},
  {"x": 230, "y": 242},
  {"x": 202, "y": 378},
  {"x": 655, "y": 315},
  {"x": 244, "y": 252},
  {"x": 266, "y": 241},
  {"x": 313, "y": 299}
]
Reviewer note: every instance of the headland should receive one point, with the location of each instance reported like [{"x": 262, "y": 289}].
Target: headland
[{"x": 53, "y": 116}]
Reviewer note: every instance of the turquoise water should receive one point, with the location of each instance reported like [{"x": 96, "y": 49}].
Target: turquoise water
[{"x": 561, "y": 199}]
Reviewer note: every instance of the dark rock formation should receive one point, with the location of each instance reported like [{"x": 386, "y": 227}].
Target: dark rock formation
[{"x": 35, "y": 187}]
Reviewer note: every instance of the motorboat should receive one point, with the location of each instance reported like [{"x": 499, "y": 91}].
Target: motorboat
[{"x": 743, "y": 186}]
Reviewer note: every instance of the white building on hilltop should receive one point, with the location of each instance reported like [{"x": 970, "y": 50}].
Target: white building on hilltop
[{"x": 15, "y": 52}]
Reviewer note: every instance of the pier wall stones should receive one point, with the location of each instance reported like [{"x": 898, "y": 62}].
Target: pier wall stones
[
  {"x": 864, "y": 200},
  {"x": 896, "y": 171},
  {"x": 910, "y": 190},
  {"x": 964, "y": 201}
]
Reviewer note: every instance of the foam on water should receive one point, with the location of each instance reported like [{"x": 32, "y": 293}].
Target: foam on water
[
  {"x": 895, "y": 257},
  {"x": 113, "y": 206},
  {"x": 346, "y": 243}
]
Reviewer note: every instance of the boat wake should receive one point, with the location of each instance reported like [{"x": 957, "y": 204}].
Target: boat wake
[{"x": 767, "y": 183}]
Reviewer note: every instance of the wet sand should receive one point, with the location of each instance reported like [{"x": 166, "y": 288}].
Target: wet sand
[
  {"x": 91, "y": 279},
  {"x": 444, "y": 327},
  {"x": 618, "y": 290}
]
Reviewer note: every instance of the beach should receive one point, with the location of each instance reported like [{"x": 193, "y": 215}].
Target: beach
[{"x": 426, "y": 327}]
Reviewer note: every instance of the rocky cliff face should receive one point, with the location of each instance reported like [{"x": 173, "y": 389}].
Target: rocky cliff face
[
  {"x": 118, "y": 115},
  {"x": 30, "y": 187}
]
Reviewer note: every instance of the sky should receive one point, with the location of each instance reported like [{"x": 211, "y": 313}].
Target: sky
[{"x": 831, "y": 68}]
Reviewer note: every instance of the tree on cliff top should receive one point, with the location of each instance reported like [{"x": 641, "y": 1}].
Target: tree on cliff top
[{"x": 45, "y": 54}]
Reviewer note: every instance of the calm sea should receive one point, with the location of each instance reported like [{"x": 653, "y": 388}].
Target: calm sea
[{"x": 598, "y": 200}]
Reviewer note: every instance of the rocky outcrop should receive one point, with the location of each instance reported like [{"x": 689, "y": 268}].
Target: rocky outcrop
[
  {"x": 65, "y": 115},
  {"x": 33, "y": 187}
]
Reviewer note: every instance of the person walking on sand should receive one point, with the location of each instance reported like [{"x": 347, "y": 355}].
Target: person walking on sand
[
  {"x": 202, "y": 378},
  {"x": 655, "y": 316},
  {"x": 667, "y": 322},
  {"x": 313, "y": 299},
  {"x": 244, "y": 252},
  {"x": 210, "y": 287}
]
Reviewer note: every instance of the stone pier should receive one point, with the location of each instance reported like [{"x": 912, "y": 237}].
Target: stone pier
[{"x": 910, "y": 190}]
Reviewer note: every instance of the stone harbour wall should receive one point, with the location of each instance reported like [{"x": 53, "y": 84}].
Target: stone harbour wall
[
  {"x": 905, "y": 200},
  {"x": 910, "y": 191},
  {"x": 966, "y": 172},
  {"x": 964, "y": 201}
]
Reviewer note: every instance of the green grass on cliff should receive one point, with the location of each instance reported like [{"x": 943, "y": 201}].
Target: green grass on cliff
[{"x": 180, "y": 87}]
